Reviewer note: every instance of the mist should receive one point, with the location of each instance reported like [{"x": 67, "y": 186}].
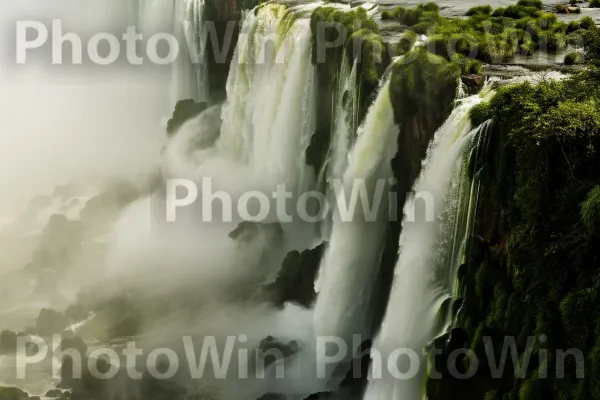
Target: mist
[{"x": 65, "y": 123}]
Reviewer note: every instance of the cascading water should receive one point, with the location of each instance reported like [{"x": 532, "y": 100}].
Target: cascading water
[
  {"x": 346, "y": 115},
  {"x": 268, "y": 119},
  {"x": 190, "y": 72},
  {"x": 427, "y": 257},
  {"x": 349, "y": 268}
]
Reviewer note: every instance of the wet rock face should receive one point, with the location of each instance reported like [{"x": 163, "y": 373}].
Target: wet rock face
[
  {"x": 184, "y": 111},
  {"x": 473, "y": 82},
  {"x": 295, "y": 281}
]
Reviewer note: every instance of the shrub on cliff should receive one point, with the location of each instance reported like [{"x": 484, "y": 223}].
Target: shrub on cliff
[
  {"x": 539, "y": 200},
  {"x": 479, "y": 10},
  {"x": 422, "y": 82},
  {"x": 573, "y": 58},
  {"x": 590, "y": 209},
  {"x": 531, "y": 3},
  {"x": 411, "y": 16}
]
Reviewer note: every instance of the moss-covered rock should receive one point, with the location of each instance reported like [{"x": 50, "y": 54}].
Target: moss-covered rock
[
  {"x": 422, "y": 82},
  {"x": 573, "y": 58},
  {"x": 359, "y": 40}
]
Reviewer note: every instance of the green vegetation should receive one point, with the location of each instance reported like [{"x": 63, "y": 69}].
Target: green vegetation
[
  {"x": 422, "y": 83},
  {"x": 532, "y": 265},
  {"x": 361, "y": 41},
  {"x": 595, "y": 3},
  {"x": 573, "y": 58},
  {"x": 492, "y": 36},
  {"x": 480, "y": 10},
  {"x": 407, "y": 41},
  {"x": 565, "y": 9},
  {"x": 361, "y": 35}
]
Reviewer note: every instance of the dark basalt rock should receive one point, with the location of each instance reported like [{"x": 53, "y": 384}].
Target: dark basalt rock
[
  {"x": 295, "y": 281},
  {"x": 473, "y": 82},
  {"x": 271, "y": 348},
  {"x": 458, "y": 339},
  {"x": 247, "y": 229},
  {"x": 184, "y": 111},
  {"x": 355, "y": 380}
]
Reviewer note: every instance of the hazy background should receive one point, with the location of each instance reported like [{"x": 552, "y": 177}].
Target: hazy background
[{"x": 63, "y": 123}]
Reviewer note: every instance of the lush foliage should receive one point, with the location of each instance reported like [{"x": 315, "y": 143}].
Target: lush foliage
[
  {"x": 422, "y": 82},
  {"x": 480, "y": 10},
  {"x": 532, "y": 267},
  {"x": 361, "y": 41},
  {"x": 492, "y": 36},
  {"x": 359, "y": 32},
  {"x": 573, "y": 58}
]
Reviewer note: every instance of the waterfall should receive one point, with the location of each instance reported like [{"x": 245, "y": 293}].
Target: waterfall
[
  {"x": 190, "y": 74},
  {"x": 349, "y": 268},
  {"x": 346, "y": 117},
  {"x": 344, "y": 130},
  {"x": 185, "y": 20},
  {"x": 269, "y": 117},
  {"x": 431, "y": 250}
]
